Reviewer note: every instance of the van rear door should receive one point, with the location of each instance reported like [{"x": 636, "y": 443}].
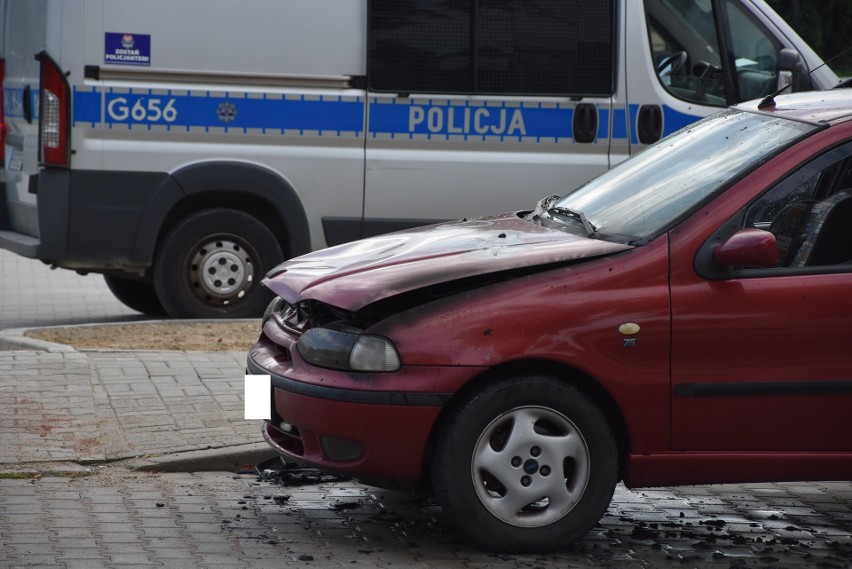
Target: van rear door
[{"x": 25, "y": 25}]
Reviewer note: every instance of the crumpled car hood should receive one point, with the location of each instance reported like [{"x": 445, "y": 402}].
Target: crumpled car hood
[{"x": 353, "y": 275}]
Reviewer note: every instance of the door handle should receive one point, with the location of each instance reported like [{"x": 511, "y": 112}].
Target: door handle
[
  {"x": 650, "y": 124},
  {"x": 28, "y": 104},
  {"x": 585, "y": 123}
]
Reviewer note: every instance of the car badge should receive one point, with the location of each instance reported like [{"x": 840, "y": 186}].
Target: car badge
[{"x": 629, "y": 329}]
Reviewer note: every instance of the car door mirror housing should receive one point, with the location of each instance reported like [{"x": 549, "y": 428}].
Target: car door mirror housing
[{"x": 753, "y": 248}]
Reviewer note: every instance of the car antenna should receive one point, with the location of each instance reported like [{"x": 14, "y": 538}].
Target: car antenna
[{"x": 769, "y": 100}]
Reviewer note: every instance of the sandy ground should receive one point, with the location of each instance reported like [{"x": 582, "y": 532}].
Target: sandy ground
[{"x": 186, "y": 336}]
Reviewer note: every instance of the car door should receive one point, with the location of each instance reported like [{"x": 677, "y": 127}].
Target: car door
[{"x": 761, "y": 357}]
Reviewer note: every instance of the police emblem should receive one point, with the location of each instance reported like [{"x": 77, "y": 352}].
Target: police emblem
[
  {"x": 227, "y": 112},
  {"x": 127, "y": 41}
]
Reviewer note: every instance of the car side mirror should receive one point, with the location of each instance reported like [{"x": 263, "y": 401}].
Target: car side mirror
[
  {"x": 752, "y": 248},
  {"x": 790, "y": 66}
]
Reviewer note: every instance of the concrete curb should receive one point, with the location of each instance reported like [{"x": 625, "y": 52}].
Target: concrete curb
[
  {"x": 43, "y": 469},
  {"x": 229, "y": 459},
  {"x": 15, "y": 340}
]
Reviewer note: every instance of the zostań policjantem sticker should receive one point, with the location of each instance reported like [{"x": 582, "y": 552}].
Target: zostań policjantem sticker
[{"x": 127, "y": 49}]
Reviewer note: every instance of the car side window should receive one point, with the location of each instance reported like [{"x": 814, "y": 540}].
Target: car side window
[{"x": 810, "y": 213}]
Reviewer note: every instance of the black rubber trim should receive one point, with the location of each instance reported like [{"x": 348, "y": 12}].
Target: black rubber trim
[
  {"x": 350, "y": 395},
  {"x": 748, "y": 389}
]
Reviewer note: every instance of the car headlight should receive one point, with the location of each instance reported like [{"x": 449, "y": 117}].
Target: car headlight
[{"x": 344, "y": 348}]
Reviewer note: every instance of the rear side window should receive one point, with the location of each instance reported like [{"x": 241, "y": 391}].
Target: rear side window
[
  {"x": 545, "y": 47},
  {"x": 24, "y": 37}
]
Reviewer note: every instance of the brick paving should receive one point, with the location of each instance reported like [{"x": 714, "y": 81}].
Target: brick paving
[
  {"x": 117, "y": 518},
  {"x": 87, "y": 407},
  {"x": 75, "y": 424}
]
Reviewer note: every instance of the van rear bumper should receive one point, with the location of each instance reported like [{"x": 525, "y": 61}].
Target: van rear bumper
[
  {"x": 20, "y": 244},
  {"x": 90, "y": 220},
  {"x": 10, "y": 238}
]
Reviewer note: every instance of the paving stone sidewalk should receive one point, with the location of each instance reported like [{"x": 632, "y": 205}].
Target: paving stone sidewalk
[
  {"x": 70, "y": 409},
  {"x": 121, "y": 519}
]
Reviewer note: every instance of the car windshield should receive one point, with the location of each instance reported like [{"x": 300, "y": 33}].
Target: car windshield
[{"x": 648, "y": 193}]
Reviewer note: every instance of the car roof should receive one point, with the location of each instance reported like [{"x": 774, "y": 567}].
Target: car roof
[{"x": 818, "y": 107}]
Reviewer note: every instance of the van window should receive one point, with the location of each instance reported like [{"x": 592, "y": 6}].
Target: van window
[
  {"x": 755, "y": 52},
  {"x": 25, "y": 37},
  {"x": 547, "y": 47},
  {"x": 686, "y": 51}
]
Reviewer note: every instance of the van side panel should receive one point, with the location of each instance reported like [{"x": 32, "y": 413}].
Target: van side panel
[
  {"x": 250, "y": 37},
  {"x": 279, "y": 103},
  {"x": 211, "y": 180}
]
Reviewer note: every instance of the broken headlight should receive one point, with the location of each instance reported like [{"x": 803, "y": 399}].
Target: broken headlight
[{"x": 338, "y": 346}]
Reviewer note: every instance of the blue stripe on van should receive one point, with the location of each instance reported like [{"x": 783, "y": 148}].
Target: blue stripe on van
[
  {"x": 494, "y": 120},
  {"x": 603, "y": 124},
  {"x": 429, "y": 119},
  {"x": 619, "y": 124},
  {"x": 184, "y": 110},
  {"x": 87, "y": 106},
  {"x": 673, "y": 120}
]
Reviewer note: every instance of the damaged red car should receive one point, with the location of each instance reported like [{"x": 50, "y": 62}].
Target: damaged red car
[{"x": 685, "y": 318}]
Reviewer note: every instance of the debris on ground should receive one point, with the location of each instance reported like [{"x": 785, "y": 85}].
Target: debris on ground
[{"x": 278, "y": 471}]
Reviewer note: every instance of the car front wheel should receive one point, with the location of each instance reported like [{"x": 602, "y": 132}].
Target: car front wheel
[{"x": 526, "y": 464}]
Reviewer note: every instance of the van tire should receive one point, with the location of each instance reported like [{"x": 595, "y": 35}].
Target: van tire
[
  {"x": 136, "y": 294},
  {"x": 210, "y": 265}
]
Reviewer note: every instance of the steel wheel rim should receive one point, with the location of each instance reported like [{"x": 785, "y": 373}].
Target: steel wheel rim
[
  {"x": 530, "y": 466},
  {"x": 221, "y": 270}
]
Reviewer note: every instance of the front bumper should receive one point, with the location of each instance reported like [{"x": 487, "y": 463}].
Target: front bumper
[{"x": 378, "y": 436}]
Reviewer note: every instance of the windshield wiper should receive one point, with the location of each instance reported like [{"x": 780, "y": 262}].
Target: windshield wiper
[
  {"x": 573, "y": 214},
  {"x": 542, "y": 206}
]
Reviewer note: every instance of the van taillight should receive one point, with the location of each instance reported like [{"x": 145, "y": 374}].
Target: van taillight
[{"x": 54, "y": 112}]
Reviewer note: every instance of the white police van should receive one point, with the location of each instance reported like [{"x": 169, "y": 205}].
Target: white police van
[{"x": 181, "y": 149}]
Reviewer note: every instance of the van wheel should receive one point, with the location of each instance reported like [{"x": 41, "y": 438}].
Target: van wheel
[
  {"x": 210, "y": 265},
  {"x": 136, "y": 294},
  {"x": 527, "y": 464}
]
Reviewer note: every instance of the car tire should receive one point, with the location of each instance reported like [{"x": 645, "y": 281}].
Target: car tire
[
  {"x": 138, "y": 295},
  {"x": 528, "y": 463},
  {"x": 210, "y": 265}
]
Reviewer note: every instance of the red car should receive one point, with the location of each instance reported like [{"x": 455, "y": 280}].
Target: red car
[{"x": 686, "y": 318}]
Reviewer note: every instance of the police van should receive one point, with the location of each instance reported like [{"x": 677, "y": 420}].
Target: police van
[{"x": 181, "y": 149}]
